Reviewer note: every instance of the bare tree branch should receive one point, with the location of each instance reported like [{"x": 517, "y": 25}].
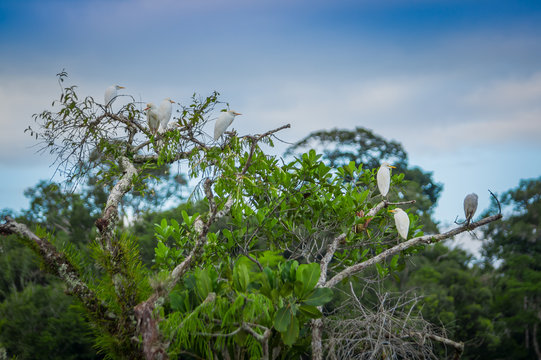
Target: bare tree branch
[
  {"x": 426, "y": 239},
  {"x": 109, "y": 218},
  {"x": 458, "y": 346},
  {"x": 255, "y": 139}
]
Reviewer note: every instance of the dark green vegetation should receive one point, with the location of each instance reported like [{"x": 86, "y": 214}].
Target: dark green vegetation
[{"x": 247, "y": 270}]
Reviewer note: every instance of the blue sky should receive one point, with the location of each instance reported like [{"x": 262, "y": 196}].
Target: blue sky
[{"x": 458, "y": 83}]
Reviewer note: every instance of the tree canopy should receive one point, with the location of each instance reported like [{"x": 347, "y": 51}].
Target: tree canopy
[{"x": 260, "y": 270}]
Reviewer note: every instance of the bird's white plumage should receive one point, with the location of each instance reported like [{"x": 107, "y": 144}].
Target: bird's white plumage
[
  {"x": 384, "y": 178},
  {"x": 470, "y": 206},
  {"x": 222, "y": 123},
  {"x": 402, "y": 222},
  {"x": 165, "y": 110},
  {"x": 153, "y": 117},
  {"x": 111, "y": 93}
]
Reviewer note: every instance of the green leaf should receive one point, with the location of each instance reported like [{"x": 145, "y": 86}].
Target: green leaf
[
  {"x": 308, "y": 275},
  {"x": 271, "y": 276},
  {"x": 394, "y": 261},
  {"x": 282, "y": 318},
  {"x": 270, "y": 258},
  {"x": 318, "y": 297},
  {"x": 161, "y": 250},
  {"x": 292, "y": 332},
  {"x": 286, "y": 289},
  {"x": 203, "y": 284},
  {"x": 241, "y": 277},
  {"x": 186, "y": 218},
  {"x": 382, "y": 272},
  {"x": 310, "y": 311},
  {"x": 177, "y": 300}
]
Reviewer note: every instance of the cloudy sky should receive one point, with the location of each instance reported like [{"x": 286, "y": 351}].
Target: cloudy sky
[{"x": 458, "y": 83}]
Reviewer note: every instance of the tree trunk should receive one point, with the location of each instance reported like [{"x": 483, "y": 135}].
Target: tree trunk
[
  {"x": 535, "y": 343},
  {"x": 317, "y": 346},
  {"x": 527, "y": 329}
]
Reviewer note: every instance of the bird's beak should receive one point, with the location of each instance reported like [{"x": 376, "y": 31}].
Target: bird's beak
[
  {"x": 145, "y": 109},
  {"x": 394, "y": 167},
  {"x": 121, "y": 87},
  {"x": 171, "y": 101},
  {"x": 236, "y": 113},
  {"x": 393, "y": 210}
]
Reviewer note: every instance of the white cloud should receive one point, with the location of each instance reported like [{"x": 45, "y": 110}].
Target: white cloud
[
  {"x": 520, "y": 128},
  {"x": 507, "y": 94}
]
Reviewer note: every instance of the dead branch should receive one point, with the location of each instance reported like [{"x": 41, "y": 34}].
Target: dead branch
[
  {"x": 376, "y": 330},
  {"x": 458, "y": 346},
  {"x": 317, "y": 324},
  {"x": 254, "y": 140}
]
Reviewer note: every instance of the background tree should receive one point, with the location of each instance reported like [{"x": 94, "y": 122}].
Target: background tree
[
  {"x": 457, "y": 294},
  {"x": 260, "y": 286},
  {"x": 516, "y": 245}
]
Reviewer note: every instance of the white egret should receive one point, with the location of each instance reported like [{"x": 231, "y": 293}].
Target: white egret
[
  {"x": 165, "y": 110},
  {"x": 111, "y": 93},
  {"x": 470, "y": 206},
  {"x": 153, "y": 117},
  {"x": 222, "y": 123},
  {"x": 384, "y": 178},
  {"x": 402, "y": 222}
]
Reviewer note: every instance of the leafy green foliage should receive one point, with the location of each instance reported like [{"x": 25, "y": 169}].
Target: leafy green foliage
[
  {"x": 361, "y": 146},
  {"x": 514, "y": 242},
  {"x": 283, "y": 296}
]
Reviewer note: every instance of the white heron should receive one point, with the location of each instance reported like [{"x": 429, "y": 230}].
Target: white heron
[
  {"x": 470, "y": 206},
  {"x": 402, "y": 222},
  {"x": 153, "y": 117},
  {"x": 222, "y": 123},
  {"x": 384, "y": 178},
  {"x": 111, "y": 93},
  {"x": 165, "y": 110}
]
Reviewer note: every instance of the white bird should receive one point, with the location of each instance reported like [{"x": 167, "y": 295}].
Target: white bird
[
  {"x": 470, "y": 206},
  {"x": 153, "y": 117},
  {"x": 402, "y": 222},
  {"x": 111, "y": 93},
  {"x": 165, "y": 110},
  {"x": 384, "y": 178},
  {"x": 222, "y": 123}
]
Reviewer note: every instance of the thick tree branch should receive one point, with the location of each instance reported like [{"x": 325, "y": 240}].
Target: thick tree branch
[
  {"x": 426, "y": 239},
  {"x": 106, "y": 223},
  {"x": 121, "y": 187},
  {"x": 331, "y": 249},
  {"x": 141, "y": 159},
  {"x": 59, "y": 265},
  {"x": 147, "y": 326}
]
